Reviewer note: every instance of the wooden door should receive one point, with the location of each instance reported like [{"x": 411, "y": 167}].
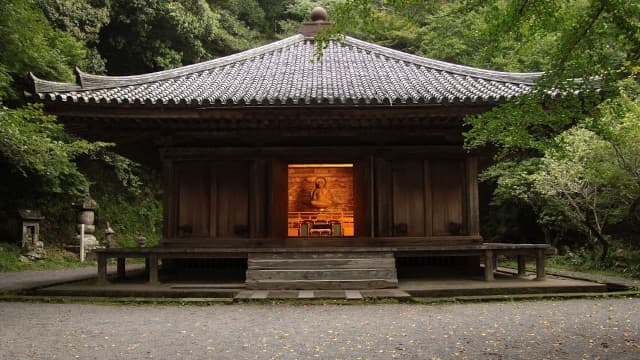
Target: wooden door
[
  {"x": 408, "y": 198},
  {"x": 232, "y": 199},
  {"x": 447, "y": 184}
]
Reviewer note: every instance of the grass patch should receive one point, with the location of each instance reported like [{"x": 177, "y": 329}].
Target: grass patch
[{"x": 56, "y": 259}]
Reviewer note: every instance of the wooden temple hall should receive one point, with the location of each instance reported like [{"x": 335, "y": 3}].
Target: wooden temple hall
[{"x": 315, "y": 173}]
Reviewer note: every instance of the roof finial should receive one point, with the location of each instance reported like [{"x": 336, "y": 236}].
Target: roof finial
[
  {"x": 319, "y": 20},
  {"x": 319, "y": 14}
]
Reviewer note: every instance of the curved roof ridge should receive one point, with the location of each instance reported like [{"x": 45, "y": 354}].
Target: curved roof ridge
[
  {"x": 523, "y": 78},
  {"x": 90, "y": 81},
  {"x": 41, "y": 85}
]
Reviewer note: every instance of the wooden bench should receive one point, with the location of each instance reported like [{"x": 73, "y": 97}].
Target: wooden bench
[
  {"x": 152, "y": 255},
  {"x": 488, "y": 251}
]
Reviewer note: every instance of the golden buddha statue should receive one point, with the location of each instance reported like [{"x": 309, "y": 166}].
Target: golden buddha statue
[{"x": 320, "y": 196}]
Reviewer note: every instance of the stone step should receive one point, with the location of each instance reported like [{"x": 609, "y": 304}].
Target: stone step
[
  {"x": 321, "y": 274},
  {"x": 328, "y": 263},
  {"x": 322, "y": 294},
  {"x": 319, "y": 270},
  {"x": 321, "y": 284}
]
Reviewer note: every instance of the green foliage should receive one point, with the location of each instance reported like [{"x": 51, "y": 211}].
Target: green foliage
[
  {"x": 454, "y": 31},
  {"x": 30, "y": 43},
  {"x": 35, "y": 145},
  {"x": 623, "y": 259},
  {"x": 83, "y": 20},
  {"x": 577, "y": 172},
  {"x": 145, "y": 36},
  {"x": 128, "y": 198},
  {"x": 594, "y": 37}
]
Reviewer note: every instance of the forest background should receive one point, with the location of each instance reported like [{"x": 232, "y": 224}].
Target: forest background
[{"x": 567, "y": 155}]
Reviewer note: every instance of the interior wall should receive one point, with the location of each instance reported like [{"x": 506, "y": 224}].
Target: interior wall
[{"x": 338, "y": 182}]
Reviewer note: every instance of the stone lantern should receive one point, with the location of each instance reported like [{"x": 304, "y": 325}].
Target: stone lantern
[{"x": 30, "y": 243}]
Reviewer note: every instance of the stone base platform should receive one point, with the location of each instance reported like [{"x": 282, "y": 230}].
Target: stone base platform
[{"x": 504, "y": 284}]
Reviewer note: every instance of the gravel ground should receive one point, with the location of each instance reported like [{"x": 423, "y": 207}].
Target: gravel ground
[{"x": 576, "y": 329}]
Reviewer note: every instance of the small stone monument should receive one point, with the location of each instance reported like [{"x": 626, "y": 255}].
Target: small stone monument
[
  {"x": 108, "y": 237},
  {"x": 32, "y": 247},
  {"x": 87, "y": 217},
  {"x": 141, "y": 240}
]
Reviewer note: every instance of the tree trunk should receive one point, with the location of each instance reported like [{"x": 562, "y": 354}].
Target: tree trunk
[
  {"x": 634, "y": 214},
  {"x": 603, "y": 242}
]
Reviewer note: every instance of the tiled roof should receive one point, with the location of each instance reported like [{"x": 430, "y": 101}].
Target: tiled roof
[{"x": 286, "y": 72}]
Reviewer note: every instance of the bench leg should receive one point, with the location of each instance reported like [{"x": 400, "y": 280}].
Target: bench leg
[
  {"x": 153, "y": 269},
  {"x": 522, "y": 266},
  {"x": 121, "y": 267},
  {"x": 540, "y": 272},
  {"x": 488, "y": 265},
  {"x": 102, "y": 269}
]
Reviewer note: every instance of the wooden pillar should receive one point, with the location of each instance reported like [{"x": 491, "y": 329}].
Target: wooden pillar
[
  {"x": 540, "y": 272},
  {"x": 372, "y": 197},
  {"x": 428, "y": 200},
  {"x": 522, "y": 263},
  {"x": 102, "y": 269},
  {"x": 153, "y": 268},
  {"x": 169, "y": 210},
  {"x": 473, "y": 204},
  {"x": 257, "y": 199},
  {"x": 383, "y": 197},
  {"x": 488, "y": 265},
  {"x": 121, "y": 267}
]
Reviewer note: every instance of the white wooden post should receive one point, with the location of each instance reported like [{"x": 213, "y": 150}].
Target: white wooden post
[{"x": 82, "y": 243}]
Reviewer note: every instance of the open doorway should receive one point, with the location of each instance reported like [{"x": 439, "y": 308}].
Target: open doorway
[{"x": 320, "y": 200}]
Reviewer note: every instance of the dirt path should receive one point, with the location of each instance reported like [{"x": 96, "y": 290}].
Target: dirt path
[
  {"x": 577, "y": 329},
  {"x": 23, "y": 280}
]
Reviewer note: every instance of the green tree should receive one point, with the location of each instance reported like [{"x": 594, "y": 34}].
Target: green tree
[
  {"x": 39, "y": 158},
  {"x": 144, "y": 36},
  {"x": 590, "y": 179},
  {"x": 30, "y": 43},
  {"x": 83, "y": 20}
]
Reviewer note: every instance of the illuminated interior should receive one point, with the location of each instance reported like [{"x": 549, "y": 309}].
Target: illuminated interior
[{"x": 320, "y": 200}]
